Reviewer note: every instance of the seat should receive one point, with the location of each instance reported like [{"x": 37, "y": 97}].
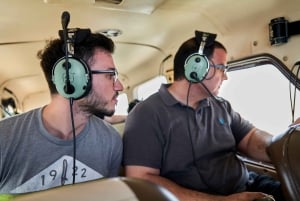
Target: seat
[
  {"x": 109, "y": 189},
  {"x": 284, "y": 152}
]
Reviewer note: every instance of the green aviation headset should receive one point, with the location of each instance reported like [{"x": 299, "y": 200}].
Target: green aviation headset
[
  {"x": 71, "y": 76},
  {"x": 197, "y": 65}
]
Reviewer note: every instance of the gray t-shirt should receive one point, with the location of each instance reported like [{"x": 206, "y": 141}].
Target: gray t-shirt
[
  {"x": 31, "y": 159},
  {"x": 194, "y": 148}
]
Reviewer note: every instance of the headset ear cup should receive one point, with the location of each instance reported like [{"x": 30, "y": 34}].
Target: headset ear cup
[
  {"x": 79, "y": 82},
  {"x": 196, "y": 67}
]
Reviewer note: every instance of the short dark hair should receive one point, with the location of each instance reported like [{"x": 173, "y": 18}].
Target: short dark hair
[
  {"x": 132, "y": 104},
  {"x": 186, "y": 49},
  {"x": 54, "y": 50}
]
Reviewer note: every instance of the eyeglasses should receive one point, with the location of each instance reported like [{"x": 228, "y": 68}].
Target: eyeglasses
[
  {"x": 220, "y": 67},
  {"x": 113, "y": 73}
]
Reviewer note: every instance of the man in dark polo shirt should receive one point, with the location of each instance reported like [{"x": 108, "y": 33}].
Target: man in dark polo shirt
[{"x": 186, "y": 138}]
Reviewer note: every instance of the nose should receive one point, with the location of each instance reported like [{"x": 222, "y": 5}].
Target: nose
[
  {"x": 225, "y": 77},
  {"x": 118, "y": 86}
]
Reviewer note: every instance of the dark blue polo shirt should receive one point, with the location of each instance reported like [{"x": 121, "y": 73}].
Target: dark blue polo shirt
[{"x": 194, "y": 148}]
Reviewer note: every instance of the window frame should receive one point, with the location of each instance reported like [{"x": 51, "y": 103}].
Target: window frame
[{"x": 262, "y": 59}]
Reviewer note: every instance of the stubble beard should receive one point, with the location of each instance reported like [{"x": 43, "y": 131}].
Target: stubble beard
[{"x": 96, "y": 105}]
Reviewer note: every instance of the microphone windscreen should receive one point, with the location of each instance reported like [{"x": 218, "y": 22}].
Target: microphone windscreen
[{"x": 65, "y": 19}]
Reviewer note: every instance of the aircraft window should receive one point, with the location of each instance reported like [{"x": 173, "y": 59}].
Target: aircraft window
[
  {"x": 122, "y": 106},
  {"x": 8, "y": 107},
  {"x": 149, "y": 87},
  {"x": 261, "y": 94}
]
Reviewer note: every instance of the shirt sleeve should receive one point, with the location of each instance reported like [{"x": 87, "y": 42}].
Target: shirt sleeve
[
  {"x": 240, "y": 127},
  {"x": 142, "y": 145}
]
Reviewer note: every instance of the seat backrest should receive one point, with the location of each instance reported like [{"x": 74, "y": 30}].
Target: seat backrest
[
  {"x": 285, "y": 155},
  {"x": 107, "y": 189}
]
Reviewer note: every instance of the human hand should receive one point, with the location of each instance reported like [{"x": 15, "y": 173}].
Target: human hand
[
  {"x": 297, "y": 121},
  {"x": 266, "y": 198},
  {"x": 245, "y": 196}
]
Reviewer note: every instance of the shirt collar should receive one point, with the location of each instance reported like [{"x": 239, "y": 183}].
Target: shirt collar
[{"x": 170, "y": 100}]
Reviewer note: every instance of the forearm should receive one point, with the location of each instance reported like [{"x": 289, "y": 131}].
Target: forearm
[
  {"x": 255, "y": 145},
  {"x": 115, "y": 119},
  {"x": 183, "y": 194}
]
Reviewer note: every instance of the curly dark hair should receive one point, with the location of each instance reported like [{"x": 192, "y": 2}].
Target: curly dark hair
[{"x": 54, "y": 50}]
